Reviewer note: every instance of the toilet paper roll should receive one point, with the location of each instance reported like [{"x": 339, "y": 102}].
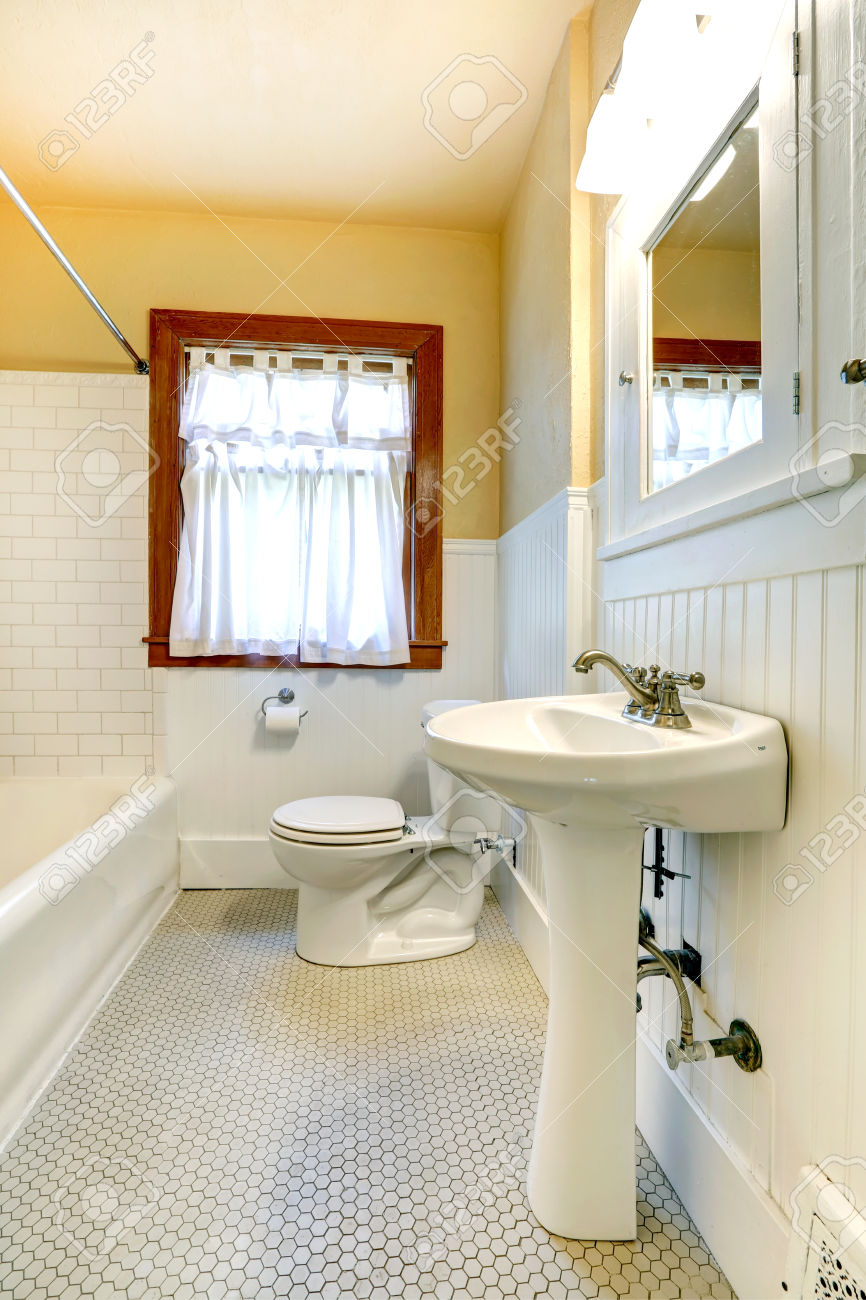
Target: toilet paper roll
[{"x": 282, "y": 719}]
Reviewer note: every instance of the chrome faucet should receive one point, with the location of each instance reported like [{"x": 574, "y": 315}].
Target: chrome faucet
[{"x": 653, "y": 699}]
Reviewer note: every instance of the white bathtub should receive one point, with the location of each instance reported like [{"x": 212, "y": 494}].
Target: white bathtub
[{"x": 86, "y": 870}]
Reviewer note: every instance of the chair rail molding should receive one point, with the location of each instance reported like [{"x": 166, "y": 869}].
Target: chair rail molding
[{"x": 775, "y": 541}]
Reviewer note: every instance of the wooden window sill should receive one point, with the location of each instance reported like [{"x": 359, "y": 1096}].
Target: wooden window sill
[{"x": 422, "y": 654}]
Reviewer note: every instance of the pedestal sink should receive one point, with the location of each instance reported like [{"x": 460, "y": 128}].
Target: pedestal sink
[{"x": 590, "y": 780}]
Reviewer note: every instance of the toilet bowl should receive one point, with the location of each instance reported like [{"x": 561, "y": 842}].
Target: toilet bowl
[{"x": 376, "y": 885}]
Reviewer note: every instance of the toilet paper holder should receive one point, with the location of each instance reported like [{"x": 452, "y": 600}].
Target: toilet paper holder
[{"x": 285, "y": 696}]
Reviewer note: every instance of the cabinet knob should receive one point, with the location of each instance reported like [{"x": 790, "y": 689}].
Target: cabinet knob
[{"x": 854, "y": 372}]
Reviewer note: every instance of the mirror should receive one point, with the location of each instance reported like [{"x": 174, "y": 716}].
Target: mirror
[{"x": 705, "y": 315}]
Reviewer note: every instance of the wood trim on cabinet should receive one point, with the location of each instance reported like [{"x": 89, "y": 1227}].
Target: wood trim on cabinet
[{"x": 171, "y": 332}]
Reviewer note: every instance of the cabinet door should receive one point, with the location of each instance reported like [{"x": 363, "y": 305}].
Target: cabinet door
[{"x": 831, "y": 119}]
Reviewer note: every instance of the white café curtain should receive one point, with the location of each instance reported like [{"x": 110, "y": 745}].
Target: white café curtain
[
  {"x": 692, "y": 427},
  {"x": 293, "y": 498}
]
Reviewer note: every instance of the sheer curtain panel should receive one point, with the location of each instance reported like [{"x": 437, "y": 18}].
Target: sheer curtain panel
[
  {"x": 293, "y": 509},
  {"x": 692, "y": 427}
]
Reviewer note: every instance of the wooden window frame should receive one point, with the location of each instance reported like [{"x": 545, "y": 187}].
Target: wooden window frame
[
  {"x": 706, "y": 354},
  {"x": 171, "y": 333}
]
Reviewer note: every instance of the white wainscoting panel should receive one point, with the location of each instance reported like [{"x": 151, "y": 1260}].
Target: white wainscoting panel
[
  {"x": 545, "y": 596},
  {"x": 736, "y": 1217},
  {"x": 546, "y": 605},
  {"x": 778, "y": 918},
  {"x": 362, "y": 734}
]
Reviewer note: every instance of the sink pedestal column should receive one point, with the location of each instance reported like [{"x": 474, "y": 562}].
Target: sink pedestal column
[{"x": 582, "y": 1169}]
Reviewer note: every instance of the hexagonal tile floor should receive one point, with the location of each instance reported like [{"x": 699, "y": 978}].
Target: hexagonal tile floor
[{"x": 237, "y": 1123}]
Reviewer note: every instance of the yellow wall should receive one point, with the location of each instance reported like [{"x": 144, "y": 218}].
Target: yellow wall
[
  {"x": 545, "y": 299},
  {"x": 714, "y": 293},
  {"x": 134, "y": 261},
  {"x": 553, "y": 281},
  {"x": 608, "y": 25}
]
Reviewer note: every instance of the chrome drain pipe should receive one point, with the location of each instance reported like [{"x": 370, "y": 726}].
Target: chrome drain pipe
[
  {"x": 663, "y": 963},
  {"x": 499, "y": 844},
  {"x": 741, "y": 1041}
]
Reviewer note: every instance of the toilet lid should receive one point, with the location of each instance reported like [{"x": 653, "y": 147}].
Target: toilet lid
[{"x": 342, "y": 816}]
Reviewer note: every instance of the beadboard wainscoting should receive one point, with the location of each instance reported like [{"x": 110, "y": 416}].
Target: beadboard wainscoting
[
  {"x": 362, "y": 734},
  {"x": 545, "y": 596},
  {"x": 773, "y": 611},
  {"x": 76, "y": 689},
  {"x": 774, "y": 916},
  {"x": 546, "y": 603}
]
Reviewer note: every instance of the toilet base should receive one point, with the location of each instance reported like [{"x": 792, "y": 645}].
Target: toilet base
[
  {"x": 388, "y": 953},
  {"x": 423, "y": 907}
]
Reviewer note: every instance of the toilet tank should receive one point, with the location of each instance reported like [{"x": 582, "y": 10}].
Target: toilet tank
[{"x": 452, "y": 803}]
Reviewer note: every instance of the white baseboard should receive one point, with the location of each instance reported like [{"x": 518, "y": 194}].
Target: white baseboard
[
  {"x": 231, "y": 864},
  {"x": 525, "y": 918},
  {"x": 744, "y": 1228}
]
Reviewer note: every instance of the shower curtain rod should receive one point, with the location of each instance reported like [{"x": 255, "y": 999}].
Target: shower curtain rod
[{"x": 141, "y": 366}]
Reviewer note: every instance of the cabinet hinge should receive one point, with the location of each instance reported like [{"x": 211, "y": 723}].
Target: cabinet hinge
[
  {"x": 795, "y": 403},
  {"x": 795, "y": 53}
]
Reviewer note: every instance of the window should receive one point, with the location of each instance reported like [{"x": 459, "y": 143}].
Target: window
[{"x": 283, "y": 520}]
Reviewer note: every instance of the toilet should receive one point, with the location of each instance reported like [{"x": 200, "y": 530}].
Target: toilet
[{"x": 376, "y": 885}]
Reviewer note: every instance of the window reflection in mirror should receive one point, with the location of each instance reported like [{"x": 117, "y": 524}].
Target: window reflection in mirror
[{"x": 705, "y": 273}]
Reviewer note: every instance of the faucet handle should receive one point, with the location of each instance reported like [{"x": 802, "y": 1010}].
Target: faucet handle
[{"x": 696, "y": 680}]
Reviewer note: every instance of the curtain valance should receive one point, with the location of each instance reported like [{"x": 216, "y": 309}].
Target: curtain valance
[{"x": 332, "y": 407}]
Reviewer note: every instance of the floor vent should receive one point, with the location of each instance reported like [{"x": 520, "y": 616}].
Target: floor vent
[
  {"x": 829, "y": 1275},
  {"x": 827, "y": 1257}
]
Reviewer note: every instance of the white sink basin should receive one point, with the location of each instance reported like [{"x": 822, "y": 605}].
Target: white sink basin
[
  {"x": 576, "y": 759},
  {"x": 591, "y": 781}
]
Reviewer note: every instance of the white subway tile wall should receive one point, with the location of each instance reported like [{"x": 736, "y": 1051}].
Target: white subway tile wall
[
  {"x": 76, "y": 695},
  {"x": 75, "y": 691}
]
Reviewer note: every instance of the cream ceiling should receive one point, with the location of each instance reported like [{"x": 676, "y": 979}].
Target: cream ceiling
[{"x": 291, "y": 108}]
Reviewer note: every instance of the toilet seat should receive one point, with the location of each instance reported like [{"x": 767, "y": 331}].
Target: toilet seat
[{"x": 340, "y": 819}]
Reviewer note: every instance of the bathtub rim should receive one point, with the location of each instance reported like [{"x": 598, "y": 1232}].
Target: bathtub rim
[
  {"x": 23, "y": 891},
  {"x": 24, "y": 905}
]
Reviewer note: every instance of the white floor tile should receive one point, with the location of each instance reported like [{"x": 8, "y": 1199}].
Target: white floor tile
[{"x": 237, "y": 1123}]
